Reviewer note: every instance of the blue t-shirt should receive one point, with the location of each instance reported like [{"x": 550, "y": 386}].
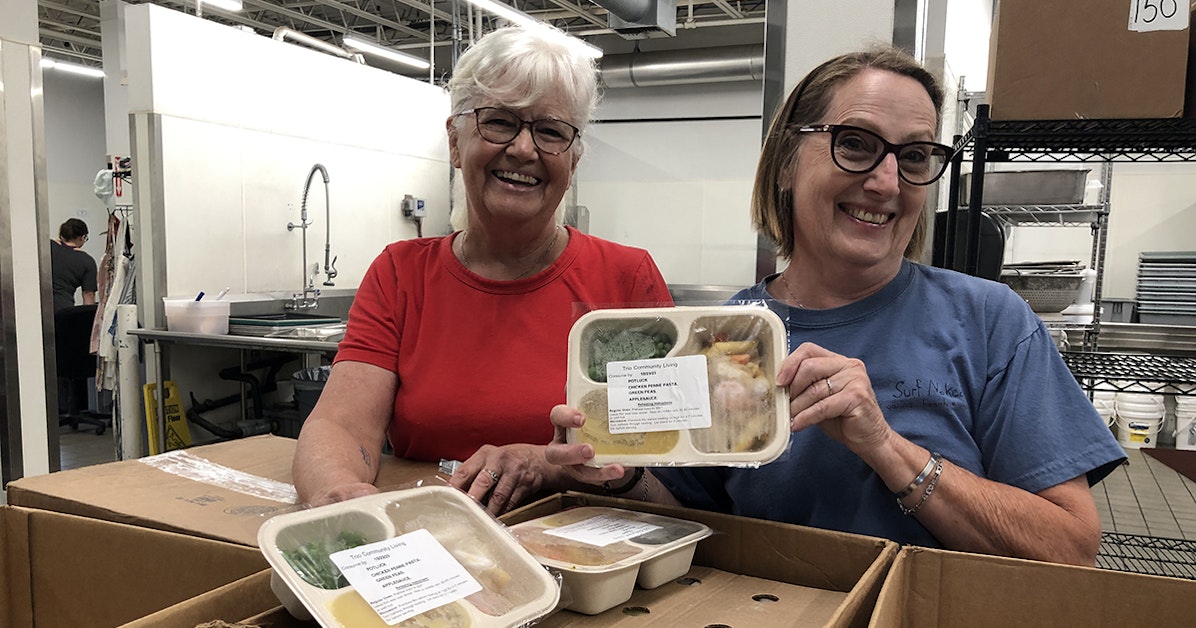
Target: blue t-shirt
[{"x": 959, "y": 365}]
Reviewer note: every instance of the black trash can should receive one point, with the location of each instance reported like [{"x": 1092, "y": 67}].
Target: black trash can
[{"x": 307, "y": 384}]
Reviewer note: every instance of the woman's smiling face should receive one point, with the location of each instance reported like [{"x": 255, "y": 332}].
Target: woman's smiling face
[
  {"x": 512, "y": 181},
  {"x": 861, "y": 220}
]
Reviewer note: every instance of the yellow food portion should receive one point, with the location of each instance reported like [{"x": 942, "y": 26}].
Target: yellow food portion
[
  {"x": 352, "y": 611},
  {"x": 596, "y": 431}
]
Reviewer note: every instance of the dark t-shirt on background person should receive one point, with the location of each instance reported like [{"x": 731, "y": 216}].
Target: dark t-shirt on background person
[{"x": 72, "y": 269}]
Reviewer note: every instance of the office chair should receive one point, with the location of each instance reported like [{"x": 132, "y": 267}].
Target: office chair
[{"x": 75, "y": 363}]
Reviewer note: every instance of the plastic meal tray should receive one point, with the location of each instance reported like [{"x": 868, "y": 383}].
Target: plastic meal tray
[
  {"x": 602, "y": 553},
  {"x": 653, "y": 423},
  {"x": 515, "y": 588}
]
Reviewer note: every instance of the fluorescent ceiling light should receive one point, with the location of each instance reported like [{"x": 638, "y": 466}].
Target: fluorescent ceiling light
[
  {"x": 386, "y": 53},
  {"x": 73, "y": 68},
  {"x": 519, "y": 17},
  {"x": 502, "y": 10},
  {"x": 227, "y": 5}
]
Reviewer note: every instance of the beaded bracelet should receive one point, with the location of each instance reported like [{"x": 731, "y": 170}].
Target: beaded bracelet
[
  {"x": 934, "y": 479},
  {"x": 636, "y": 476},
  {"x": 934, "y": 458}
]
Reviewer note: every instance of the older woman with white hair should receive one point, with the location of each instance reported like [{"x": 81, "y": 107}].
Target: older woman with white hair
[{"x": 456, "y": 345}]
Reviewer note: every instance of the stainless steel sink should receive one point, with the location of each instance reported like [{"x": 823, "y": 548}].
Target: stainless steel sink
[{"x": 273, "y": 323}]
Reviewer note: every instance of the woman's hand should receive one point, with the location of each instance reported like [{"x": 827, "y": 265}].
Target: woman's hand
[
  {"x": 834, "y": 392},
  {"x": 573, "y": 459},
  {"x": 501, "y": 478}
]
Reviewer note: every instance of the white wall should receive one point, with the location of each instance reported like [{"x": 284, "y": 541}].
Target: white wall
[
  {"x": 74, "y": 107},
  {"x": 241, "y": 121},
  {"x": 679, "y": 186}
]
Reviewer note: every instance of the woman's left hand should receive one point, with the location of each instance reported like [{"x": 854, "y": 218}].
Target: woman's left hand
[
  {"x": 500, "y": 478},
  {"x": 834, "y": 392}
]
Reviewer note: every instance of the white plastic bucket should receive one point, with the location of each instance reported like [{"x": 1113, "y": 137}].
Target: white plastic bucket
[
  {"x": 1137, "y": 408},
  {"x": 1185, "y": 430},
  {"x": 1139, "y": 397},
  {"x": 1136, "y": 433}
]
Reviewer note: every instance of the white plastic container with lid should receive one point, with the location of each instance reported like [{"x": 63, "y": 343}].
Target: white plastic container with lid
[
  {"x": 603, "y": 553},
  {"x": 679, "y": 386},
  {"x": 394, "y": 546},
  {"x": 196, "y": 317}
]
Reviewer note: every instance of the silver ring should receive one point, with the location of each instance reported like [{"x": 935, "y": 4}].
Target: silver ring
[
  {"x": 829, "y": 391},
  {"x": 492, "y": 474}
]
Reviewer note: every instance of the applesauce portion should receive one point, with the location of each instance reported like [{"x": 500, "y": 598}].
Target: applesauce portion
[{"x": 596, "y": 431}]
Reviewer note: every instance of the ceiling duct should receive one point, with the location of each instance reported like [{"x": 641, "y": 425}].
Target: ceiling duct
[
  {"x": 683, "y": 67},
  {"x": 641, "y": 19}
]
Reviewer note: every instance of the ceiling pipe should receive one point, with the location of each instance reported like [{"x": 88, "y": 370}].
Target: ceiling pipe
[
  {"x": 684, "y": 67},
  {"x": 282, "y": 33}
]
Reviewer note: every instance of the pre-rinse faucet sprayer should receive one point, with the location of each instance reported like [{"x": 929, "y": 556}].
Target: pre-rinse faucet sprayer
[{"x": 310, "y": 295}]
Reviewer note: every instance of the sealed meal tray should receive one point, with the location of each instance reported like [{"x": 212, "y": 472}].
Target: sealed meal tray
[
  {"x": 679, "y": 386},
  {"x": 420, "y": 557},
  {"x": 602, "y": 553}
]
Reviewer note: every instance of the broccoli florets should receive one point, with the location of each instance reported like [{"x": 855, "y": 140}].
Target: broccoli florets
[{"x": 623, "y": 345}]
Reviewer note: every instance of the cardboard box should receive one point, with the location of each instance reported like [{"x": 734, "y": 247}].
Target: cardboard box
[
  {"x": 927, "y": 588},
  {"x": 749, "y": 573},
  {"x": 223, "y": 491},
  {"x": 65, "y": 571},
  {"x": 233, "y": 602},
  {"x": 1068, "y": 59}
]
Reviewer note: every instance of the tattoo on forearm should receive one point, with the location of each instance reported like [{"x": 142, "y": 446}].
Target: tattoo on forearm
[{"x": 365, "y": 457}]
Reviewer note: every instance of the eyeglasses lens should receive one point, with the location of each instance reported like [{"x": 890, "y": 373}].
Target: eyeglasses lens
[
  {"x": 501, "y": 126},
  {"x": 859, "y": 150}
]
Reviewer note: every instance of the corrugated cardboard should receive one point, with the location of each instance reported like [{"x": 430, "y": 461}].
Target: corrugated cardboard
[
  {"x": 749, "y": 573},
  {"x": 230, "y": 603},
  {"x": 65, "y": 571},
  {"x": 818, "y": 577},
  {"x": 927, "y": 588},
  {"x": 1068, "y": 59},
  {"x": 225, "y": 491}
]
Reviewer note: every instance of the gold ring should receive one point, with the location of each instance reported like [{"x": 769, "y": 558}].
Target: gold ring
[
  {"x": 492, "y": 474},
  {"x": 829, "y": 391}
]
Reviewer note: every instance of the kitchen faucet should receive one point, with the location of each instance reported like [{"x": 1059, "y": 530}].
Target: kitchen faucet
[{"x": 310, "y": 295}]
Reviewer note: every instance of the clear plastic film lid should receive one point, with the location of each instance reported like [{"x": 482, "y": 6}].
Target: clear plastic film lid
[{"x": 679, "y": 385}]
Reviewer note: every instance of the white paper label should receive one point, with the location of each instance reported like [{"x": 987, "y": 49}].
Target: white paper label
[
  {"x": 1158, "y": 15},
  {"x": 602, "y": 530},
  {"x": 405, "y": 576},
  {"x": 658, "y": 395}
]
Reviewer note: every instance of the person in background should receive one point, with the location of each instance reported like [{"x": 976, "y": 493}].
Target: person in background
[
  {"x": 70, "y": 267},
  {"x": 927, "y": 406},
  {"x": 456, "y": 346}
]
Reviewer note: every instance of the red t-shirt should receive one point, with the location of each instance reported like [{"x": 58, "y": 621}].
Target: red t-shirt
[{"x": 481, "y": 361}]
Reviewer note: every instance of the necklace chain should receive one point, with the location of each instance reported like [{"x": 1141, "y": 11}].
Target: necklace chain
[
  {"x": 789, "y": 291},
  {"x": 556, "y": 234}
]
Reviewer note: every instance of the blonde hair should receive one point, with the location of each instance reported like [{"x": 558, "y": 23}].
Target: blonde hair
[{"x": 772, "y": 200}]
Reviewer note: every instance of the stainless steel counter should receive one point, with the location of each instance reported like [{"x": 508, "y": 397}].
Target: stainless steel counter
[
  {"x": 160, "y": 341},
  {"x": 295, "y": 345}
]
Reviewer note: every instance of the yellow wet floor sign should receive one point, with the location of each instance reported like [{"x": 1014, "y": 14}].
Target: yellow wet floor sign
[{"x": 177, "y": 434}]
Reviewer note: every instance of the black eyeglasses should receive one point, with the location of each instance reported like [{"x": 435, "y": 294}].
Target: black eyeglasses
[
  {"x": 858, "y": 151},
  {"x": 501, "y": 126}
]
